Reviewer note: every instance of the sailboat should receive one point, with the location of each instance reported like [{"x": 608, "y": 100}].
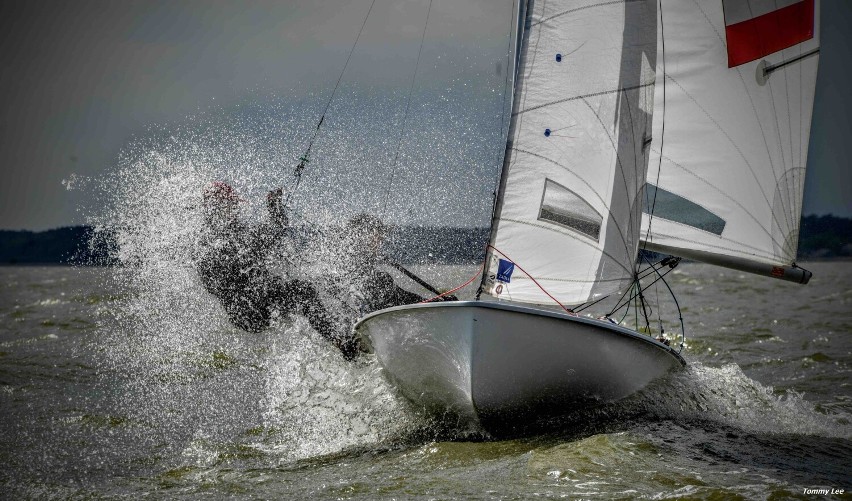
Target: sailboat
[{"x": 589, "y": 178}]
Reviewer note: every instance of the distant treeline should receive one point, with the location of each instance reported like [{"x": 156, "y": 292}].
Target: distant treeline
[
  {"x": 820, "y": 237},
  {"x": 83, "y": 246},
  {"x": 69, "y": 245},
  {"x": 825, "y": 237}
]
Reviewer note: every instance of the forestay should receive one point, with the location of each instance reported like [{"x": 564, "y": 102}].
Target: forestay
[
  {"x": 568, "y": 215},
  {"x": 730, "y": 143}
]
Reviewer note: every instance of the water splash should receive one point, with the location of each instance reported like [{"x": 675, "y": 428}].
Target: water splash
[
  {"x": 725, "y": 395},
  {"x": 197, "y": 383}
]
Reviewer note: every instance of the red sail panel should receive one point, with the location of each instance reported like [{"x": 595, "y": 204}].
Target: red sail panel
[{"x": 771, "y": 32}]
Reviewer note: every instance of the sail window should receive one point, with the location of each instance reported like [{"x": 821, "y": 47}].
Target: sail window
[
  {"x": 562, "y": 206},
  {"x": 680, "y": 210}
]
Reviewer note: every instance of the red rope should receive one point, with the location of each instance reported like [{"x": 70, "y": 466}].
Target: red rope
[
  {"x": 531, "y": 278},
  {"x": 462, "y": 286}
]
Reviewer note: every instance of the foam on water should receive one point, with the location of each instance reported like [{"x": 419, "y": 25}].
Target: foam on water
[
  {"x": 322, "y": 406},
  {"x": 725, "y": 395}
]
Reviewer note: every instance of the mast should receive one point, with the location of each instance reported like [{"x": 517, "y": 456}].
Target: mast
[
  {"x": 567, "y": 212},
  {"x": 524, "y": 18}
]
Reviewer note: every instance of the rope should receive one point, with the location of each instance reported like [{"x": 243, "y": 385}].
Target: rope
[
  {"x": 569, "y": 311},
  {"x": 596, "y": 301},
  {"x": 405, "y": 114},
  {"x": 462, "y": 286},
  {"x": 644, "y": 308},
  {"x": 679, "y": 313},
  {"x": 304, "y": 159}
]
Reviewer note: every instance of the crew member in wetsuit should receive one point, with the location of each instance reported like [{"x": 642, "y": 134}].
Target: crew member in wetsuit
[
  {"x": 376, "y": 287},
  {"x": 232, "y": 267}
]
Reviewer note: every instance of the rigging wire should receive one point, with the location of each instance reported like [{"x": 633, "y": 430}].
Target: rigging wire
[
  {"x": 659, "y": 310},
  {"x": 671, "y": 262},
  {"x": 405, "y": 113},
  {"x": 644, "y": 309},
  {"x": 679, "y": 313},
  {"x": 306, "y": 157}
]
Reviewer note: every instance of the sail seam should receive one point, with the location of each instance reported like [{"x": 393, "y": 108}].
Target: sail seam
[
  {"x": 585, "y": 7},
  {"x": 554, "y": 162},
  {"x": 745, "y": 160},
  {"x": 784, "y": 203},
  {"x": 783, "y": 161},
  {"x": 741, "y": 253},
  {"x": 568, "y": 280},
  {"x": 756, "y": 117},
  {"x": 570, "y": 235},
  {"x": 574, "y": 98},
  {"x": 747, "y": 247},
  {"x": 532, "y": 50},
  {"x": 790, "y": 143},
  {"x": 620, "y": 169},
  {"x": 725, "y": 195},
  {"x": 717, "y": 237}
]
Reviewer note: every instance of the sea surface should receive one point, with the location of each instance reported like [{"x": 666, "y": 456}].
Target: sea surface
[{"x": 114, "y": 384}]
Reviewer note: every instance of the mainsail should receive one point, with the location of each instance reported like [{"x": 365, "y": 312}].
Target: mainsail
[
  {"x": 734, "y": 95},
  {"x": 568, "y": 213}
]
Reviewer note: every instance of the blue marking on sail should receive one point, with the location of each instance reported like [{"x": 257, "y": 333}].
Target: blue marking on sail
[{"x": 504, "y": 270}]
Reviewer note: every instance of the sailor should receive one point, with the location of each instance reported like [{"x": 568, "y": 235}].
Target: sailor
[
  {"x": 365, "y": 235},
  {"x": 232, "y": 266}
]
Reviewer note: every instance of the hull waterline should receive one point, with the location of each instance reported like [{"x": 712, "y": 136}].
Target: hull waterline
[{"x": 503, "y": 367}]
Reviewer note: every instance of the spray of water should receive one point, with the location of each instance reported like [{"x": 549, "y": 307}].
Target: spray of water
[
  {"x": 199, "y": 383},
  {"x": 723, "y": 396}
]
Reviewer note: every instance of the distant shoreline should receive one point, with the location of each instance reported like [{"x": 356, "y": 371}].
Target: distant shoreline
[{"x": 821, "y": 238}]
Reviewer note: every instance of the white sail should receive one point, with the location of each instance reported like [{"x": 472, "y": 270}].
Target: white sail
[
  {"x": 567, "y": 221},
  {"x": 730, "y": 143}
]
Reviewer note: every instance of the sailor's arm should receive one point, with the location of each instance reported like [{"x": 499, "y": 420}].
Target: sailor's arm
[
  {"x": 391, "y": 294},
  {"x": 275, "y": 206},
  {"x": 264, "y": 236}
]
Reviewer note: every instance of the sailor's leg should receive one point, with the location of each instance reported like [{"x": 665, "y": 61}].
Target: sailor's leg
[
  {"x": 305, "y": 296},
  {"x": 247, "y": 312}
]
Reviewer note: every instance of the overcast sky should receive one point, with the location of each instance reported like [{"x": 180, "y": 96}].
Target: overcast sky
[{"x": 79, "y": 79}]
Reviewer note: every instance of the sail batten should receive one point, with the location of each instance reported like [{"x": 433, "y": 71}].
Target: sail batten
[
  {"x": 736, "y": 135},
  {"x": 569, "y": 207}
]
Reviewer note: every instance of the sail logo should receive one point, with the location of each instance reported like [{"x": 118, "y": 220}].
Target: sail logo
[
  {"x": 757, "y": 28},
  {"x": 504, "y": 270}
]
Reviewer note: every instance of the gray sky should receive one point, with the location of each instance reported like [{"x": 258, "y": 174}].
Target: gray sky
[{"x": 79, "y": 79}]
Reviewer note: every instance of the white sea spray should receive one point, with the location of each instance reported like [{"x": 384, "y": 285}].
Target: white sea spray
[{"x": 195, "y": 378}]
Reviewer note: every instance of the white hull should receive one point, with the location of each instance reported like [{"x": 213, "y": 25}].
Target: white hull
[{"x": 505, "y": 366}]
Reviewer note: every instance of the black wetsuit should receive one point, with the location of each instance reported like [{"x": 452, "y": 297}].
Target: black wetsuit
[
  {"x": 373, "y": 288},
  {"x": 381, "y": 292},
  {"x": 232, "y": 267}
]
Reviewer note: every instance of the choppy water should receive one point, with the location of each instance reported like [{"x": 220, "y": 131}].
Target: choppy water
[{"x": 129, "y": 381}]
